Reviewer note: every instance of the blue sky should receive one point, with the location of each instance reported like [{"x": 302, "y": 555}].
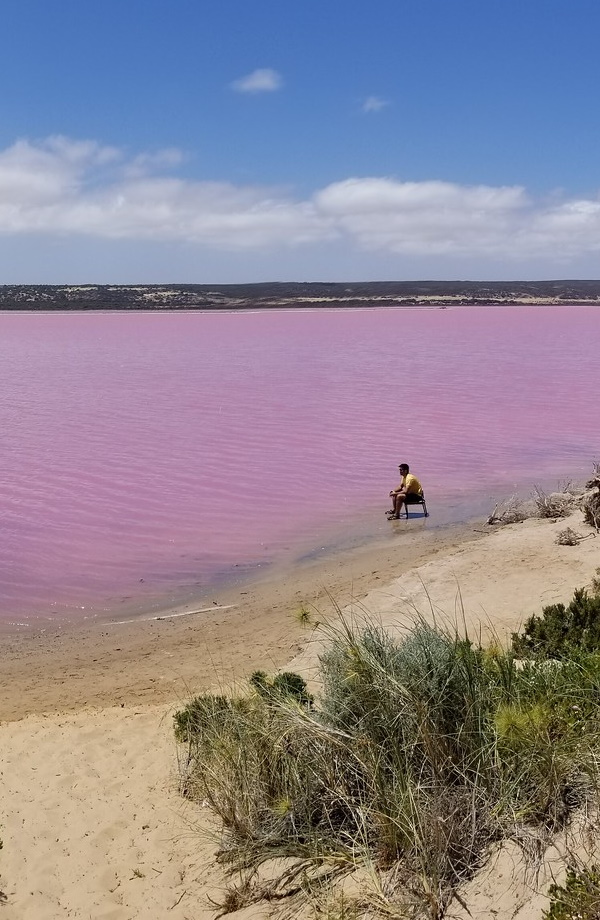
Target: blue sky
[{"x": 146, "y": 140}]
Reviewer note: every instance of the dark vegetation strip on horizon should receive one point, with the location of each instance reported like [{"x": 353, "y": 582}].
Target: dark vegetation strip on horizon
[{"x": 40, "y": 297}]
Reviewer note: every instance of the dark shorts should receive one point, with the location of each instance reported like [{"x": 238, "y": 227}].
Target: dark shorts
[{"x": 412, "y": 498}]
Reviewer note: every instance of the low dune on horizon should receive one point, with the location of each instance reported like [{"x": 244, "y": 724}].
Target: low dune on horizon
[{"x": 273, "y": 295}]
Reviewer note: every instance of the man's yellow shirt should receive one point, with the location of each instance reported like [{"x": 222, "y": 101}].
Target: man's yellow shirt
[{"x": 412, "y": 485}]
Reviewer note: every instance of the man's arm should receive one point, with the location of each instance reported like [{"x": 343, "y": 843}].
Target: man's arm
[{"x": 400, "y": 488}]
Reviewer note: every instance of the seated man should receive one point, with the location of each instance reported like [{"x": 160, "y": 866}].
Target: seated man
[{"x": 409, "y": 485}]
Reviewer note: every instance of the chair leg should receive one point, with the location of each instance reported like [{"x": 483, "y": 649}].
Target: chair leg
[{"x": 422, "y": 503}]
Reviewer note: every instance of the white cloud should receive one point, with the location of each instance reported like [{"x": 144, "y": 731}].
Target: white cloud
[
  {"x": 48, "y": 171},
  {"x": 374, "y": 104},
  {"x": 63, "y": 187},
  {"x": 263, "y": 80},
  {"x": 425, "y": 217},
  {"x": 82, "y": 189}
]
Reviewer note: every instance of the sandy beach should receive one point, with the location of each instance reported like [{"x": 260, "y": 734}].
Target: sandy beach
[{"x": 90, "y": 813}]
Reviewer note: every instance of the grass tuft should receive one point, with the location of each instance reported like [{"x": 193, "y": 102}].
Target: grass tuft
[{"x": 305, "y": 617}]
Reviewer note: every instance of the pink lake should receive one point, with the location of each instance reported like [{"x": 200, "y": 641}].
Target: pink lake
[{"x": 149, "y": 458}]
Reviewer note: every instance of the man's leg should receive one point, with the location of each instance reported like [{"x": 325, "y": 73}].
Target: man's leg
[{"x": 398, "y": 502}]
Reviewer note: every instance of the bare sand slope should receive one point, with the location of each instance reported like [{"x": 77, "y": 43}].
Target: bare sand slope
[
  {"x": 93, "y": 824},
  {"x": 90, "y": 814}
]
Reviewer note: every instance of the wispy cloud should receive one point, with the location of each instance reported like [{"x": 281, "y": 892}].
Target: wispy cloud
[
  {"x": 61, "y": 187},
  {"x": 263, "y": 80},
  {"x": 374, "y": 104},
  {"x": 165, "y": 159}
]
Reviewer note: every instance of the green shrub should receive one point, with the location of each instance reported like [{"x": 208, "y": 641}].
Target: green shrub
[
  {"x": 287, "y": 684},
  {"x": 561, "y": 631},
  {"x": 578, "y": 898},
  {"x": 191, "y": 721}
]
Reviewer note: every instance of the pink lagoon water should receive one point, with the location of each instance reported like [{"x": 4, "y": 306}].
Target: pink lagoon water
[{"x": 148, "y": 458}]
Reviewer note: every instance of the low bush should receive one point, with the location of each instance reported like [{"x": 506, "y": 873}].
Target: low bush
[
  {"x": 554, "y": 504},
  {"x": 567, "y": 537},
  {"x": 561, "y": 631},
  {"x": 511, "y": 511},
  {"x": 419, "y": 753},
  {"x": 590, "y": 502}
]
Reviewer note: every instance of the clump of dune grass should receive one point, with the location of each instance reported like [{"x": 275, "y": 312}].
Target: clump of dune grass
[{"x": 420, "y": 752}]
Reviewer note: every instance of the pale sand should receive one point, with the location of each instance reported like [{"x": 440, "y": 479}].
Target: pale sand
[{"x": 92, "y": 822}]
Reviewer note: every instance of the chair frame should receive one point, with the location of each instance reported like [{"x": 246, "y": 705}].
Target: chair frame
[{"x": 415, "y": 500}]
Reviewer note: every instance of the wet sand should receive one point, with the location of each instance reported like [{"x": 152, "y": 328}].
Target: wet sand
[{"x": 189, "y": 649}]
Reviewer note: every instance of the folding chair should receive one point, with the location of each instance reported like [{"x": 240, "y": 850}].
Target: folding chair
[{"x": 414, "y": 499}]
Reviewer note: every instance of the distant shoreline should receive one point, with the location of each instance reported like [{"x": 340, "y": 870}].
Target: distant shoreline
[{"x": 309, "y": 295}]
